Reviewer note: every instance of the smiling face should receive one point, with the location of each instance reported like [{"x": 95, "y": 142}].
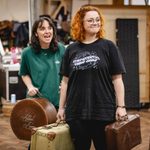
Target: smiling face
[
  {"x": 44, "y": 34},
  {"x": 91, "y": 23}
]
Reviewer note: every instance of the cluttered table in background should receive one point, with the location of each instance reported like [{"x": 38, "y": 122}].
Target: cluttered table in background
[{"x": 10, "y": 81}]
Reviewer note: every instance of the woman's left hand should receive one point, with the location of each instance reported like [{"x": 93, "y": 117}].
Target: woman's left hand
[
  {"x": 121, "y": 114},
  {"x": 60, "y": 115}
]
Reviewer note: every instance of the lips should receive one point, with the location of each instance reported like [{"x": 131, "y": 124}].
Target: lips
[{"x": 47, "y": 36}]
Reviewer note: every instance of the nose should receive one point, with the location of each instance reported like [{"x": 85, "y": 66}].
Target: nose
[
  {"x": 47, "y": 30},
  {"x": 95, "y": 21}
]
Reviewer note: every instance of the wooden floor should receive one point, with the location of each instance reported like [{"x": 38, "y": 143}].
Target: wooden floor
[
  {"x": 145, "y": 130},
  {"x": 8, "y": 141}
]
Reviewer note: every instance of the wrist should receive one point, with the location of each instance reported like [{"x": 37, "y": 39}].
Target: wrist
[
  {"x": 121, "y": 106},
  {"x": 61, "y": 108},
  {"x": 30, "y": 86}
]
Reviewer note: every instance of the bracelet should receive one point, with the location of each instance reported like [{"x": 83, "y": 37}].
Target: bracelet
[{"x": 121, "y": 106}]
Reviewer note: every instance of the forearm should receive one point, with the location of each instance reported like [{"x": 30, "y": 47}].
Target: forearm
[
  {"x": 31, "y": 89},
  {"x": 27, "y": 80},
  {"x": 63, "y": 93},
  {"x": 119, "y": 90},
  {"x": 62, "y": 102}
]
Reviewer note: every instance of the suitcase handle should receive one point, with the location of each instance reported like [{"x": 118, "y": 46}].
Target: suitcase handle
[
  {"x": 39, "y": 94},
  {"x": 54, "y": 124},
  {"x": 34, "y": 129},
  {"x": 123, "y": 118}
]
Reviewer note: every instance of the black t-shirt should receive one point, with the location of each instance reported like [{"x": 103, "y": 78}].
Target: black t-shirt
[{"x": 90, "y": 93}]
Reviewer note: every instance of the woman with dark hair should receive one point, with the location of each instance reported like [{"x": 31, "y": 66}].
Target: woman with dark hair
[
  {"x": 40, "y": 61},
  {"x": 92, "y": 89}
]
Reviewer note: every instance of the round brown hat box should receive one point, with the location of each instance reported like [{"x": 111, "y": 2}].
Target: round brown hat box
[{"x": 28, "y": 113}]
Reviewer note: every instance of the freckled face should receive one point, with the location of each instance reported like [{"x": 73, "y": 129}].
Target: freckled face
[
  {"x": 91, "y": 22},
  {"x": 45, "y": 34}
]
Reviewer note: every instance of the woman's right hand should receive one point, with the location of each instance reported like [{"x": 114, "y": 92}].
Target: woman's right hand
[
  {"x": 32, "y": 91},
  {"x": 28, "y": 82},
  {"x": 60, "y": 115}
]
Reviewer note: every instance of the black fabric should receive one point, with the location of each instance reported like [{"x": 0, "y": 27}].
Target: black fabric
[
  {"x": 82, "y": 131},
  {"x": 90, "y": 68},
  {"x": 21, "y": 32}
]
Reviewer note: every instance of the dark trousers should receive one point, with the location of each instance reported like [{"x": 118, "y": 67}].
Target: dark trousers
[{"x": 85, "y": 131}]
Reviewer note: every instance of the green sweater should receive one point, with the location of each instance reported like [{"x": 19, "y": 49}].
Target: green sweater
[{"x": 43, "y": 68}]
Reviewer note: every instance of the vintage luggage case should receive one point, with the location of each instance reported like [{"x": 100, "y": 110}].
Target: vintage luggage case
[
  {"x": 52, "y": 137},
  {"x": 124, "y": 135},
  {"x": 7, "y": 108},
  {"x": 31, "y": 112}
]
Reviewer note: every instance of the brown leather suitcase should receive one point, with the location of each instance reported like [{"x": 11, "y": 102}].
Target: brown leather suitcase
[
  {"x": 31, "y": 112},
  {"x": 52, "y": 137},
  {"x": 124, "y": 135}
]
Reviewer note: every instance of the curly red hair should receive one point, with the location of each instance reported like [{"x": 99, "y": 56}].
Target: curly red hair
[{"x": 77, "y": 29}]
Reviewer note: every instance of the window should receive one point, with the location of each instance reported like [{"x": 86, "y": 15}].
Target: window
[{"x": 137, "y": 2}]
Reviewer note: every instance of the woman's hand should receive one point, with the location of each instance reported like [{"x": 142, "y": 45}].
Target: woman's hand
[
  {"x": 32, "y": 91},
  {"x": 60, "y": 115},
  {"x": 121, "y": 114}
]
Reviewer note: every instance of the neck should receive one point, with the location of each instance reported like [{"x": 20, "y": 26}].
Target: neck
[
  {"x": 44, "y": 46},
  {"x": 89, "y": 40}
]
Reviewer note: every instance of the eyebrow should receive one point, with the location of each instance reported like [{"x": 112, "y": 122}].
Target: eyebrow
[{"x": 93, "y": 18}]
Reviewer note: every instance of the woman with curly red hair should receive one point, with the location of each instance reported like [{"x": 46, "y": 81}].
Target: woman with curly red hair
[{"x": 92, "y": 89}]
